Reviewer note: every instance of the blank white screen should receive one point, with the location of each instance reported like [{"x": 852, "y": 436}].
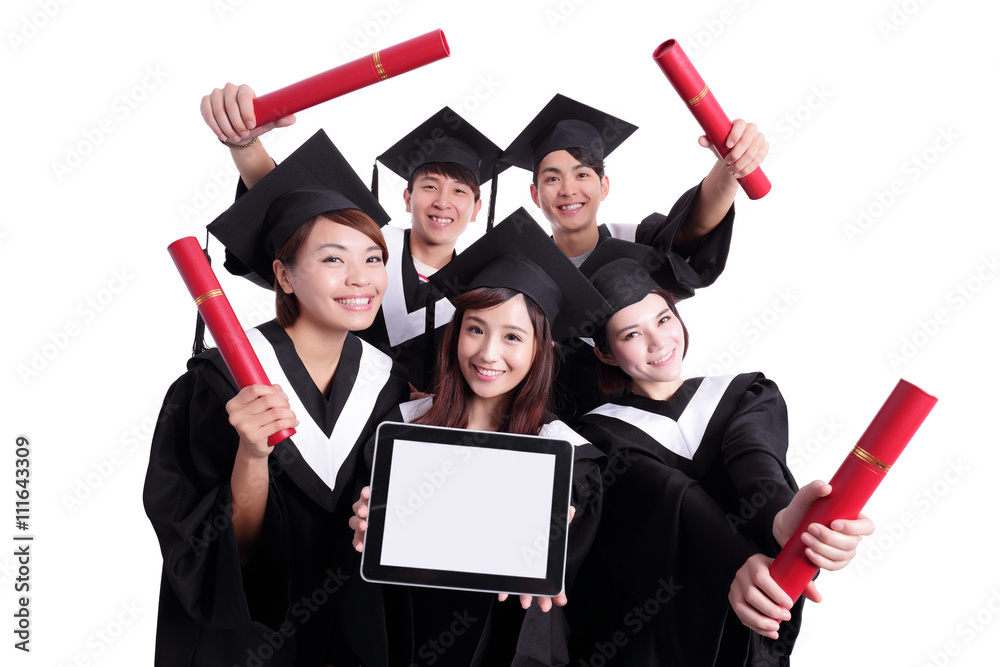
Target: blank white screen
[{"x": 468, "y": 509}]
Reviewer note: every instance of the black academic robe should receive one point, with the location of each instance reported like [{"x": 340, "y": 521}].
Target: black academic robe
[
  {"x": 400, "y": 325},
  {"x": 295, "y": 597},
  {"x": 686, "y": 268},
  {"x": 463, "y": 628},
  {"x": 728, "y": 436}
]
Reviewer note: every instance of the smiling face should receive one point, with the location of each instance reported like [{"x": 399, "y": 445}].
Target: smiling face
[
  {"x": 568, "y": 192},
  {"x": 496, "y": 347},
  {"x": 646, "y": 340},
  {"x": 441, "y": 208},
  {"x": 338, "y": 278}
]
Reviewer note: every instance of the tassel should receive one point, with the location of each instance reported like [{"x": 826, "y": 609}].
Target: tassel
[
  {"x": 493, "y": 197},
  {"x": 199, "y": 326},
  {"x": 375, "y": 180}
]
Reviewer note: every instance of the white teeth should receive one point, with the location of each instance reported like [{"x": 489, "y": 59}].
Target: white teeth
[
  {"x": 662, "y": 359},
  {"x": 353, "y": 302},
  {"x": 436, "y": 219},
  {"x": 487, "y": 372},
  {"x": 570, "y": 207}
]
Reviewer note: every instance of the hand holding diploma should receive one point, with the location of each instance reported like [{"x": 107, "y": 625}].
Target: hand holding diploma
[{"x": 759, "y": 602}]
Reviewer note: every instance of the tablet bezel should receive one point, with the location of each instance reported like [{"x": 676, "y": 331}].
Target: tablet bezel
[{"x": 372, "y": 570}]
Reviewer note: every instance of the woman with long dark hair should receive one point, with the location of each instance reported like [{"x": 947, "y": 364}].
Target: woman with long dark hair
[
  {"x": 257, "y": 560},
  {"x": 514, "y": 294}
]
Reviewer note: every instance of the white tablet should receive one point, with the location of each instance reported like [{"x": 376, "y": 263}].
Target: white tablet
[{"x": 468, "y": 510}]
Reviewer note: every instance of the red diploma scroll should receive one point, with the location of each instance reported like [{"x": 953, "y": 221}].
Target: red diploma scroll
[
  {"x": 856, "y": 480},
  {"x": 347, "y": 78},
  {"x": 220, "y": 318},
  {"x": 716, "y": 124}
]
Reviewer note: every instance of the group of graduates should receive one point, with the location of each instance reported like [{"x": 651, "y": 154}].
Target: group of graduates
[{"x": 576, "y": 336}]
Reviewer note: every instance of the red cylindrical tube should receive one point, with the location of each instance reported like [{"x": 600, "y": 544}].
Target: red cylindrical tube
[
  {"x": 220, "y": 319},
  {"x": 716, "y": 124},
  {"x": 856, "y": 480},
  {"x": 347, "y": 78}
]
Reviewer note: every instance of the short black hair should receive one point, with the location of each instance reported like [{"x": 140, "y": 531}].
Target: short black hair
[
  {"x": 451, "y": 170},
  {"x": 586, "y": 157}
]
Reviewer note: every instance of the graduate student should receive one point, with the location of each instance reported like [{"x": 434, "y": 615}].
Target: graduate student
[
  {"x": 514, "y": 294},
  {"x": 257, "y": 560},
  {"x": 729, "y": 435},
  {"x": 444, "y": 161},
  {"x": 564, "y": 147}
]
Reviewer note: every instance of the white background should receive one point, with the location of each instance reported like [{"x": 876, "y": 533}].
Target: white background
[{"x": 848, "y": 94}]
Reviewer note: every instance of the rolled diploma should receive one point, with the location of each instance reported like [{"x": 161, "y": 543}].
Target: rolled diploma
[
  {"x": 854, "y": 483},
  {"x": 716, "y": 124},
  {"x": 347, "y": 78},
  {"x": 220, "y": 319}
]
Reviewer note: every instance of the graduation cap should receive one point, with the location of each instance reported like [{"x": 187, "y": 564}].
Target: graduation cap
[
  {"x": 565, "y": 123},
  {"x": 625, "y": 272},
  {"x": 314, "y": 179},
  {"x": 518, "y": 255},
  {"x": 444, "y": 137}
]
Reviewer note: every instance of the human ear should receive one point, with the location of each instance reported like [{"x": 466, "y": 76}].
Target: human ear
[
  {"x": 605, "y": 186},
  {"x": 475, "y": 210},
  {"x": 534, "y": 195},
  {"x": 406, "y": 199},
  {"x": 283, "y": 276},
  {"x": 605, "y": 358}
]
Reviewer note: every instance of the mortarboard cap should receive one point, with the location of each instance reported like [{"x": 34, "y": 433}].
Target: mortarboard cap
[
  {"x": 565, "y": 123},
  {"x": 625, "y": 272},
  {"x": 518, "y": 255},
  {"x": 444, "y": 137},
  {"x": 314, "y": 179}
]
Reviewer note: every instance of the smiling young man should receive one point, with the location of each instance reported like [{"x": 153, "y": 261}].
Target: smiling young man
[
  {"x": 444, "y": 161},
  {"x": 564, "y": 147}
]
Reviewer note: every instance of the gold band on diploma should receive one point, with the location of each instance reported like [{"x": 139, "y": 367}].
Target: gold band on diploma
[
  {"x": 699, "y": 97},
  {"x": 378, "y": 66},
  {"x": 871, "y": 460},
  {"x": 206, "y": 296}
]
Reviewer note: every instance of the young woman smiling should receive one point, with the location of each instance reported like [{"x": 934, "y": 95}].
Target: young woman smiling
[
  {"x": 257, "y": 560},
  {"x": 707, "y": 499},
  {"x": 514, "y": 294}
]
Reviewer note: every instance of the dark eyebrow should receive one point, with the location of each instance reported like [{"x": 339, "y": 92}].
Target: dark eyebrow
[
  {"x": 575, "y": 167},
  {"x": 635, "y": 326},
  {"x": 337, "y": 246},
  {"x": 473, "y": 318}
]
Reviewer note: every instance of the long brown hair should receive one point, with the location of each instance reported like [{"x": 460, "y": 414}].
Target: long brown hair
[
  {"x": 454, "y": 396},
  {"x": 612, "y": 379},
  {"x": 286, "y": 306}
]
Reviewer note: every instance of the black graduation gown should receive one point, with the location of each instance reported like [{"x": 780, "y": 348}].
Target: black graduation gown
[
  {"x": 690, "y": 267},
  {"x": 399, "y": 326},
  {"x": 295, "y": 598},
  {"x": 729, "y": 435},
  {"x": 463, "y": 628}
]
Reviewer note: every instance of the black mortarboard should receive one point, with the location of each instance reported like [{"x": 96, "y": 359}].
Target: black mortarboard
[
  {"x": 519, "y": 255},
  {"x": 625, "y": 272},
  {"x": 314, "y": 179},
  {"x": 444, "y": 137},
  {"x": 564, "y": 123}
]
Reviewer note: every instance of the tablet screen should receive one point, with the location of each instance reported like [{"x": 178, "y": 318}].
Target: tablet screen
[{"x": 454, "y": 508}]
